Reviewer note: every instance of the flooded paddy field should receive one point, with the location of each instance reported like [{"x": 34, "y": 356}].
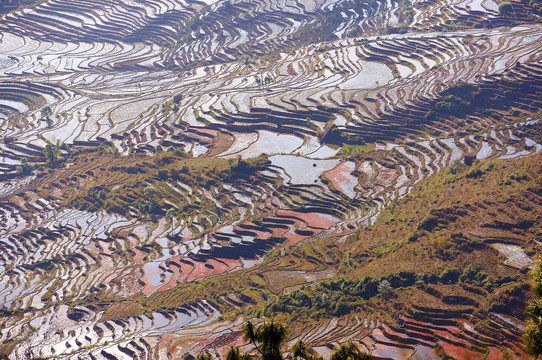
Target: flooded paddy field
[{"x": 215, "y": 142}]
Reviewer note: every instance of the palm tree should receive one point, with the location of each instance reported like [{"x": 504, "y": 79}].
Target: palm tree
[
  {"x": 235, "y": 354},
  {"x": 271, "y": 336},
  {"x": 533, "y": 333},
  {"x": 267, "y": 339},
  {"x": 204, "y": 356},
  {"x": 300, "y": 351},
  {"x": 304, "y": 352},
  {"x": 349, "y": 351}
]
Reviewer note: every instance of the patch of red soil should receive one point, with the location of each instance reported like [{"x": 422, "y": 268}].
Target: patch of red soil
[
  {"x": 219, "y": 266},
  {"x": 386, "y": 176},
  {"x": 231, "y": 263},
  {"x": 105, "y": 248},
  {"x": 173, "y": 279},
  {"x": 459, "y": 352},
  {"x": 186, "y": 268},
  {"x": 200, "y": 271},
  {"x": 342, "y": 179},
  {"x": 237, "y": 341},
  {"x": 208, "y": 131},
  {"x": 294, "y": 238},
  {"x": 315, "y": 220}
]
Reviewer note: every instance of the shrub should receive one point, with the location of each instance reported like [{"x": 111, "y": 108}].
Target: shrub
[
  {"x": 452, "y": 105},
  {"x": 337, "y": 297},
  {"x": 52, "y": 151},
  {"x": 506, "y": 9},
  {"x": 450, "y": 276},
  {"x": 429, "y": 223},
  {"x": 149, "y": 192},
  {"x": 163, "y": 174},
  {"x": 473, "y": 174}
]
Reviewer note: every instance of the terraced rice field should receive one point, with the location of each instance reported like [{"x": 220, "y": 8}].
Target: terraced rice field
[{"x": 338, "y": 96}]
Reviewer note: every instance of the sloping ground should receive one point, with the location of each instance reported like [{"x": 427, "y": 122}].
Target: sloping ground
[
  {"x": 126, "y": 117},
  {"x": 449, "y": 221},
  {"x": 425, "y": 230},
  {"x": 451, "y": 292},
  {"x": 120, "y": 93}
]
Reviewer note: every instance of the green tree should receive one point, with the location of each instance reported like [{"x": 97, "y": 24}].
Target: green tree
[
  {"x": 235, "y": 354},
  {"x": 46, "y": 112},
  {"x": 25, "y": 168},
  {"x": 349, "y": 351},
  {"x": 267, "y": 339},
  {"x": 204, "y": 356},
  {"x": 301, "y": 351},
  {"x": 267, "y": 80},
  {"x": 171, "y": 213},
  {"x": 52, "y": 151},
  {"x": 149, "y": 192},
  {"x": 506, "y": 9},
  {"x": 149, "y": 205},
  {"x": 533, "y": 333}
]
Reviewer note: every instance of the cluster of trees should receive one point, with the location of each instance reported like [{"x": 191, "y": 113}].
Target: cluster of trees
[
  {"x": 237, "y": 168},
  {"x": 536, "y": 5},
  {"x": 340, "y": 297},
  {"x": 268, "y": 340},
  {"x": 52, "y": 152},
  {"x": 148, "y": 200},
  {"x": 266, "y": 81},
  {"x": 462, "y": 98},
  {"x": 506, "y": 9},
  {"x": 99, "y": 197},
  {"x": 458, "y": 99},
  {"x": 149, "y": 203},
  {"x": 245, "y": 168},
  {"x": 406, "y": 14},
  {"x": 25, "y": 168}
]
